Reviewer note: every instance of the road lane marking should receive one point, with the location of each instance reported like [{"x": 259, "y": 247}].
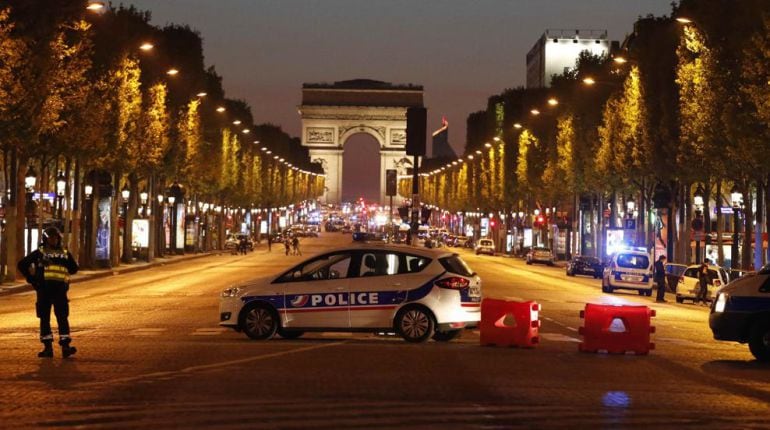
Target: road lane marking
[
  {"x": 558, "y": 337},
  {"x": 147, "y": 332},
  {"x": 205, "y": 367},
  {"x": 209, "y": 331}
]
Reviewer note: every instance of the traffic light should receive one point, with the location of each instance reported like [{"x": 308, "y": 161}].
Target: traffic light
[
  {"x": 492, "y": 223},
  {"x": 391, "y": 182},
  {"x": 539, "y": 221},
  {"x": 416, "y": 118}
]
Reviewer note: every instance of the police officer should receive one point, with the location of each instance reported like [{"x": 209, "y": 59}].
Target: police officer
[{"x": 48, "y": 269}]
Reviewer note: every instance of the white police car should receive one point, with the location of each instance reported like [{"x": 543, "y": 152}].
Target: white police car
[
  {"x": 419, "y": 293},
  {"x": 741, "y": 313},
  {"x": 628, "y": 270}
]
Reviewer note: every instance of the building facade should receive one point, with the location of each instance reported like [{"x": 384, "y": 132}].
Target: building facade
[{"x": 557, "y": 51}]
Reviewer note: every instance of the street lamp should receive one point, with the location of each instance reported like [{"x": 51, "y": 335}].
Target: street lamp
[
  {"x": 143, "y": 197},
  {"x": 125, "y": 193},
  {"x": 736, "y": 197},
  {"x": 697, "y": 223},
  {"x": 30, "y": 179},
  {"x": 61, "y": 186}
]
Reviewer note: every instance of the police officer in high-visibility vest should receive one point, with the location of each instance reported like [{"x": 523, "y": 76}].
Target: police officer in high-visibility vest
[{"x": 48, "y": 269}]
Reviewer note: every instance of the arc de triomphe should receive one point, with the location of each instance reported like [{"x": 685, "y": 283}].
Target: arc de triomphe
[{"x": 332, "y": 113}]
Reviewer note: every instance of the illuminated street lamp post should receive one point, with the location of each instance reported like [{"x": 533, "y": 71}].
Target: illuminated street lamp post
[
  {"x": 125, "y": 193},
  {"x": 172, "y": 213},
  {"x": 30, "y": 180},
  {"x": 88, "y": 192},
  {"x": 160, "y": 226},
  {"x": 143, "y": 197},
  {"x": 61, "y": 185},
  {"x": 736, "y": 197}
]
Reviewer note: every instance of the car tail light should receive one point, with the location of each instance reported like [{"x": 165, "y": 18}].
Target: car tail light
[{"x": 453, "y": 283}]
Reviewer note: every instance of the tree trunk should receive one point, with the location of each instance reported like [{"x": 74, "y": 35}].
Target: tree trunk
[
  {"x": 748, "y": 226},
  {"x": 687, "y": 235},
  {"x": 758, "y": 251},
  {"x": 720, "y": 225},
  {"x": 15, "y": 215},
  {"x": 115, "y": 234},
  {"x": 767, "y": 216}
]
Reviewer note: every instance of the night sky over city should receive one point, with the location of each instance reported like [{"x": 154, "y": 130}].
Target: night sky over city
[{"x": 461, "y": 52}]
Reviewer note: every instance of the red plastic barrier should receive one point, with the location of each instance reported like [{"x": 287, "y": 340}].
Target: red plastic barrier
[
  {"x": 506, "y": 323},
  {"x": 616, "y": 329}
]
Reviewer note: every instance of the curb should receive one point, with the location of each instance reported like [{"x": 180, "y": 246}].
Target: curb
[{"x": 13, "y": 289}]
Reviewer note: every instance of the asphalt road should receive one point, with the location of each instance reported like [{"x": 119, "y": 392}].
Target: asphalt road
[{"x": 152, "y": 355}]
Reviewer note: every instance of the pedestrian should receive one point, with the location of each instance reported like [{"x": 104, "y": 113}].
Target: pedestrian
[
  {"x": 295, "y": 245},
  {"x": 660, "y": 278},
  {"x": 703, "y": 283},
  {"x": 242, "y": 243},
  {"x": 287, "y": 245},
  {"x": 269, "y": 243},
  {"x": 47, "y": 269}
]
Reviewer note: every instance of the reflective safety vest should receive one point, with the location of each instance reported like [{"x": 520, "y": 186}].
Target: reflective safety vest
[{"x": 56, "y": 269}]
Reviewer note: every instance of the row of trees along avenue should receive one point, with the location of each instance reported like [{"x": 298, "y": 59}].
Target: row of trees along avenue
[
  {"x": 682, "y": 110},
  {"x": 99, "y": 100}
]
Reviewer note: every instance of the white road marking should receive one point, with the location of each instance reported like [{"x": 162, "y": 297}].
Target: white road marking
[
  {"x": 213, "y": 366},
  {"x": 558, "y": 337},
  {"x": 209, "y": 331},
  {"x": 147, "y": 332}
]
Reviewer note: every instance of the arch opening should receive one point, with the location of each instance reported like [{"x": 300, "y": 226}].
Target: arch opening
[{"x": 361, "y": 168}]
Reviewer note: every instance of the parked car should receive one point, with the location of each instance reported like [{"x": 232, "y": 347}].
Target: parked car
[
  {"x": 584, "y": 265},
  {"x": 628, "y": 270},
  {"x": 540, "y": 254},
  {"x": 689, "y": 284},
  {"x": 346, "y": 229},
  {"x": 485, "y": 246},
  {"x": 418, "y": 293},
  {"x": 740, "y": 313}
]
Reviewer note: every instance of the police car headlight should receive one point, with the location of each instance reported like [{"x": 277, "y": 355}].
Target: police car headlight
[
  {"x": 231, "y": 292},
  {"x": 721, "y": 303}
]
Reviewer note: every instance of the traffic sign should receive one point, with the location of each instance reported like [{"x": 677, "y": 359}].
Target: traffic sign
[{"x": 629, "y": 224}]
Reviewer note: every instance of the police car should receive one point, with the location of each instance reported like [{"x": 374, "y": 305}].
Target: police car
[
  {"x": 418, "y": 293},
  {"x": 628, "y": 270},
  {"x": 741, "y": 313}
]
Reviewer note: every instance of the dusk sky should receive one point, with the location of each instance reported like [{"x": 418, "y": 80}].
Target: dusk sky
[{"x": 461, "y": 52}]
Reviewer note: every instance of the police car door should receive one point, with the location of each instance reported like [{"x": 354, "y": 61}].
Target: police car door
[
  {"x": 380, "y": 287},
  {"x": 316, "y": 296}
]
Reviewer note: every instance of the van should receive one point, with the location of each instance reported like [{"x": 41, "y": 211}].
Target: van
[{"x": 628, "y": 270}]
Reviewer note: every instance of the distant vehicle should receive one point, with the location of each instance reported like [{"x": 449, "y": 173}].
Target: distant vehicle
[
  {"x": 346, "y": 229},
  {"x": 584, "y": 265},
  {"x": 741, "y": 313},
  {"x": 417, "y": 293},
  {"x": 689, "y": 283},
  {"x": 628, "y": 270},
  {"x": 234, "y": 240},
  {"x": 485, "y": 246},
  {"x": 540, "y": 254}
]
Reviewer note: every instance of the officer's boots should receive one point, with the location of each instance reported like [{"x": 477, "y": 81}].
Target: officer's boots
[
  {"x": 66, "y": 349},
  {"x": 47, "y": 351}
]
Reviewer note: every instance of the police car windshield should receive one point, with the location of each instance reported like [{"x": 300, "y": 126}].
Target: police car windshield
[
  {"x": 455, "y": 264},
  {"x": 765, "y": 270}
]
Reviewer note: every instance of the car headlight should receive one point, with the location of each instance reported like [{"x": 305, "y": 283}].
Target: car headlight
[
  {"x": 231, "y": 292},
  {"x": 721, "y": 302}
]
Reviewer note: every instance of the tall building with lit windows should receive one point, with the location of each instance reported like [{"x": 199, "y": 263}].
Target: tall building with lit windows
[{"x": 557, "y": 51}]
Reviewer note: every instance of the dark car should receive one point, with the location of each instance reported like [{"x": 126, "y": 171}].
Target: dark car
[{"x": 584, "y": 265}]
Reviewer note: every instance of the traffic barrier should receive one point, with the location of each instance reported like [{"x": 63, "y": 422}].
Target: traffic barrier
[
  {"x": 616, "y": 329},
  {"x": 508, "y": 323}
]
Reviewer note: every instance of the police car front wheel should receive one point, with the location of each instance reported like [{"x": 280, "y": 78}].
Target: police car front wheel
[
  {"x": 259, "y": 322},
  {"x": 759, "y": 340},
  {"x": 414, "y": 324}
]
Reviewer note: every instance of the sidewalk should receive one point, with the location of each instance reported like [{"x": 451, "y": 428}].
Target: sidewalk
[{"x": 89, "y": 274}]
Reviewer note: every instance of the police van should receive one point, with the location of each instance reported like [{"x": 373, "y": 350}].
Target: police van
[
  {"x": 415, "y": 292},
  {"x": 741, "y": 313}
]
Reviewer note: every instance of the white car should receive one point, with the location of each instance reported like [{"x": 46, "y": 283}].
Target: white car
[
  {"x": 628, "y": 270},
  {"x": 741, "y": 313},
  {"x": 689, "y": 284},
  {"x": 417, "y": 293},
  {"x": 485, "y": 246},
  {"x": 540, "y": 254}
]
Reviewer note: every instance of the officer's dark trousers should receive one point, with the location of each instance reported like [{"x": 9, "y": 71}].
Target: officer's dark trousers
[
  {"x": 56, "y": 296},
  {"x": 661, "y": 290}
]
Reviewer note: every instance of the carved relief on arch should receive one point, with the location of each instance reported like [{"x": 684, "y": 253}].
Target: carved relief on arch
[{"x": 322, "y": 161}]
